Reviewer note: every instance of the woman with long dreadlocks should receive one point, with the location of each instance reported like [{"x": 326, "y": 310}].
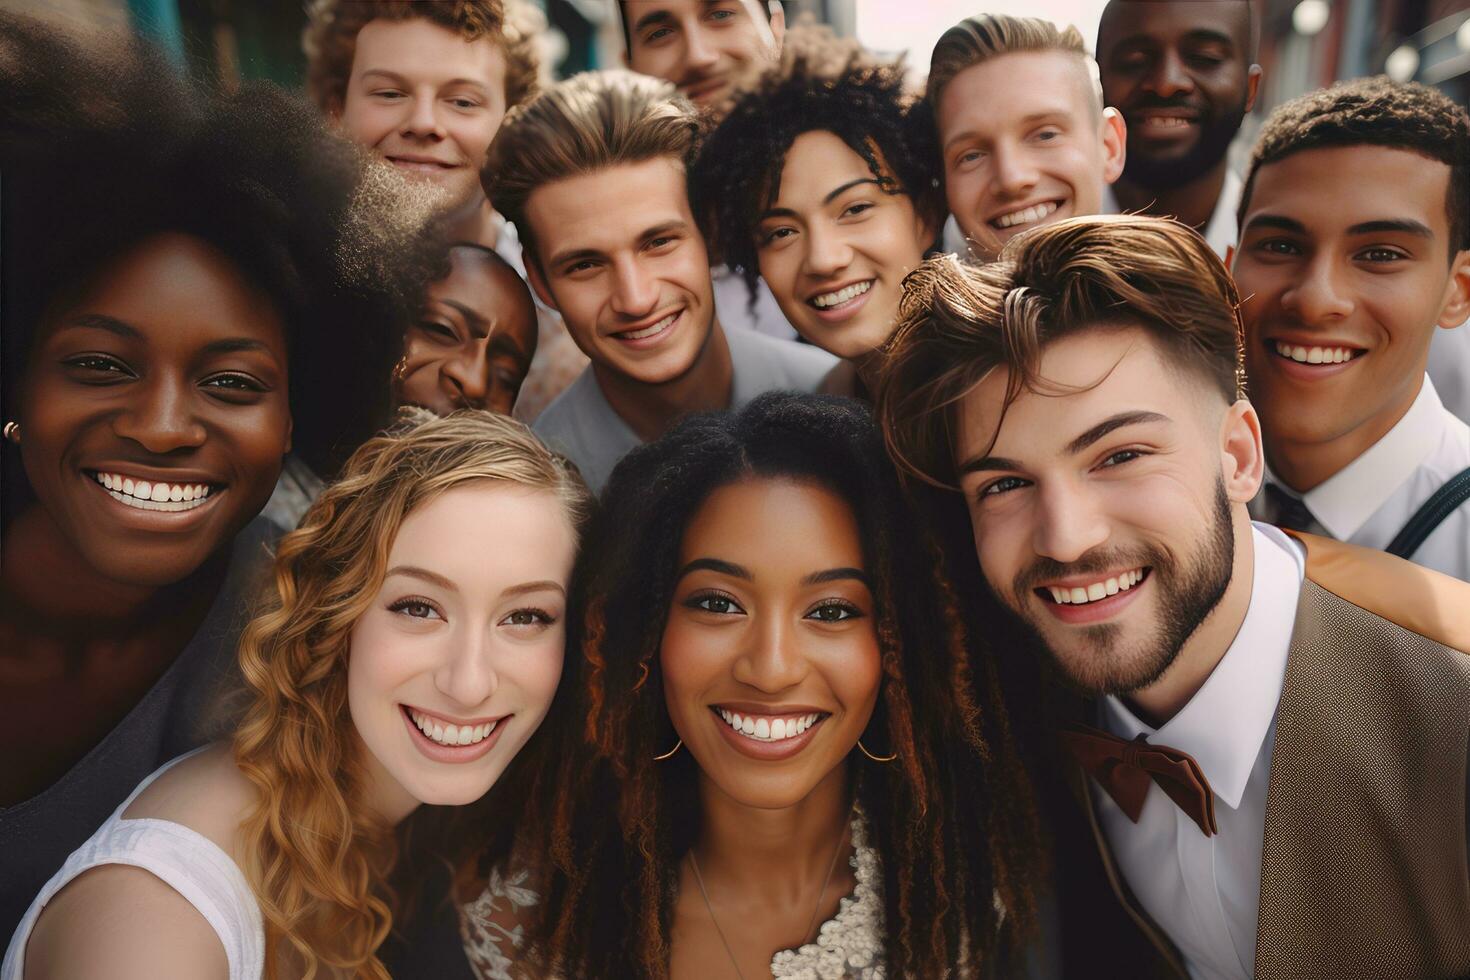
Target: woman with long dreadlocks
[{"x": 782, "y": 771}]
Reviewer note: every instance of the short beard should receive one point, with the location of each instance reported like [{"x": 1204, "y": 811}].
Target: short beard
[
  {"x": 1187, "y": 596},
  {"x": 1164, "y": 175}
]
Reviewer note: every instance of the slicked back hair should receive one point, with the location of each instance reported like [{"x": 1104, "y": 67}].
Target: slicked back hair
[
  {"x": 976, "y": 40},
  {"x": 958, "y": 322},
  {"x": 1374, "y": 112},
  {"x": 590, "y": 122}
]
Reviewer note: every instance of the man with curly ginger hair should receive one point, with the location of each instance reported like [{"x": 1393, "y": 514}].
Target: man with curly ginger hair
[
  {"x": 1270, "y": 758},
  {"x": 1354, "y": 258},
  {"x": 426, "y": 85}
]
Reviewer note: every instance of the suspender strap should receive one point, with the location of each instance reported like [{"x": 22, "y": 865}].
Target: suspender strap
[{"x": 1446, "y": 500}]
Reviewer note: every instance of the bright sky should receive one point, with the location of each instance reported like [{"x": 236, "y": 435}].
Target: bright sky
[{"x": 914, "y": 25}]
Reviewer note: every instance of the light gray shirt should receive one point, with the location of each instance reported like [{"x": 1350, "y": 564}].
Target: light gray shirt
[{"x": 582, "y": 425}]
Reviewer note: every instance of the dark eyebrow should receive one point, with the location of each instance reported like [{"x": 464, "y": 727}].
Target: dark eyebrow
[
  {"x": 101, "y": 321},
  {"x": 832, "y": 195},
  {"x": 413, "y": 571},
  {"x": 543, "y": 586},
  {"x": 393, "y": 76},
  {"x": 1407, "y": 226},
  {"x": 472, "y": 317},
  {"x": 1211, "y": 36},
  {"x": 651, "y": 18},
  {"x": 1118, "y": 421},
  {"x": 503, "y": 343},
  {"x": 1277, "y": 221},
  {"x": 562, "y": 258},
  {"x": 983, "y": 463},
  {"x": 837, "y": 575},
  {"x": 715, "y": 565}
]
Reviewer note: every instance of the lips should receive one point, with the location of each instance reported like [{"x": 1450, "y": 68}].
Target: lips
[
  {"x": 768, "y": 734},
  {"x": 1030, "y": 214},
  {"x": 1078, "y": 603},
  {"x": 650, "y": 334},
  {"x": 434, "y": 742}
]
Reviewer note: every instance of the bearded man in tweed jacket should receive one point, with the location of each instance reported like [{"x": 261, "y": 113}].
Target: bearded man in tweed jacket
[{"x": 1271, "y": 759}]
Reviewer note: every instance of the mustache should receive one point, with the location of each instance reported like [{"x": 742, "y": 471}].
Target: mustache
[
  {"x": 1145, "y": 101},
  {"x": 1093, "y": 562}
]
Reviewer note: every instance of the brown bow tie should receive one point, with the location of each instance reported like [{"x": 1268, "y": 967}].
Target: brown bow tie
[{"x": 1124, "y": 769}]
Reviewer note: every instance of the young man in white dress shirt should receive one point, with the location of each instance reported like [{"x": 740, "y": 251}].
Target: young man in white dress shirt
[
  {"x": 1354, "y": 252},
  {"x": 1264, "y": 807},
  {"x": 1184, "y": 76},
  {"x": 592, "y": 173}
]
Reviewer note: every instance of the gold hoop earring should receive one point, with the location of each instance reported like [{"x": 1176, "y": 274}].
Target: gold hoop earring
[
  {"x": 876, "y": 758},
  {"x": 400, "y": 370},
  {"x": 671, "y": 752},
  {"x": 12, "y": 432}
]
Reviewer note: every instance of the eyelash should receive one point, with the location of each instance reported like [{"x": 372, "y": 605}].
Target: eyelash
[
  {"x": 106, "y": 364},
  {"x": 990, "y": 489},
  {"x": 697, "y": 601},
  {"x": 540, "y": 616},
  {"x": 413, "y": 602}
]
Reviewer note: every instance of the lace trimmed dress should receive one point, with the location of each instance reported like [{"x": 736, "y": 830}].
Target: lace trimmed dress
[{"x": 849, "y": 945}]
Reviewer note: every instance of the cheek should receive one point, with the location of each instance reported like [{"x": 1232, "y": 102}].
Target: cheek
[
  {"x": 367, "y": 122},
  {"x": 692, "y": 659},
  {"x": 855, "y": 673},
  {"x": 537, "y": 672}
]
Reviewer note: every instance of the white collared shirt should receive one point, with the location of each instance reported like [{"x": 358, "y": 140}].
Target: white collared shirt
[
  {"x": 1204, "y": 892},
  {"x": 1368, "y": 501},
  {"x": 1220, "y": 231}
]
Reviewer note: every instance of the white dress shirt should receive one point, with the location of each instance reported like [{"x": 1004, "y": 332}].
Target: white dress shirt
[
  {"x": 1368, "y": 501},
  {"x": 1204, "y": 892},
  {"x": 1221, "y": 230}
]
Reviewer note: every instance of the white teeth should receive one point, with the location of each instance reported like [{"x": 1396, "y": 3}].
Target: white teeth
[
  {"x": 649, "y": 331},
  {"x": 451, "y": 734},
  {"x": 1034, "y": 213},
  {"x": 145, "y": 495},
  {"x": 1314, "y": 355},
  {"x": 769, "y": 729},
  {"x": 842, "y": 295},
  {"x": 1168, "y": 122},
  {"x": 1097, "y": 590}
]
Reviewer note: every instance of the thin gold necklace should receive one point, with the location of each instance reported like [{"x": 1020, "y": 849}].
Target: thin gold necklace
[{"x": 811, "y": 923}]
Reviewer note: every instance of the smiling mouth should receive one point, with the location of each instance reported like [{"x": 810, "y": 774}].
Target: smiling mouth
[
  {"x": 154, "y": 494},
  {"x": 1035, "y": 212},
  {"x": 652, "y": 330},
  {"x": 437, "y": 731},
  {"x": 1096, "y": 591},
  {"x": 769, "y": 728},
  {"x": 1315, "y": 355},
  {"x": 841, "y": 297}
]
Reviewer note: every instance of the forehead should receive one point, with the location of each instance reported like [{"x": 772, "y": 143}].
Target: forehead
[
  {"x": 1086, "y": 377},
  {"x": 1128, "y": 21},
  {"x": 641, "y": 11},
  {"x": 775, "y": 523},
  {"x": 490, "y": 288},
  {"x": 609, "y": 209},
  {"x": 1330, "y": 189},
  {"x": 1003, "y": 92},
  {"x": 818, "y": 162},
  {"x": 423, "y": 50},
  {"x": 526, "y": 530}
]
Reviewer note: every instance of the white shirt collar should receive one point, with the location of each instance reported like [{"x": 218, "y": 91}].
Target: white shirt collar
[
  {"x": 1344, "y": 501},
  {"x": 1224, "y": 725}
]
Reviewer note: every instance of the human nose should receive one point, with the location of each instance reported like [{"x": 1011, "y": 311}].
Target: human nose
[
  {"x": 161, "y": 417},
  {"x": 771, "y": 660},
  {"x": 1169, "y": 78},
  {"x": 467, "y": 674},
  {"x": 635, "y": 293},
  {"x": 422, "y": 120},
  {"x": 467, "y": 375},
  {"x": 1317, "y": 296},
  {"x": 1069, "y": 523},
  {"x": 827, "y": 253},
  {"x": 1014, "y": 172},
  {"x": 700, "y": 55}
]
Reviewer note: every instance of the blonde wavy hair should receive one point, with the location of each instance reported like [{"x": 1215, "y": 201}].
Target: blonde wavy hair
[{"x": 318, "y": 862}]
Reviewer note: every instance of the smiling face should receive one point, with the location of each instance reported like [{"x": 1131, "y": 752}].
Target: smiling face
[
  {"x": 1180, "y": 74},
  {"x": 1024, "y": 145},
  {"x": 454, "y": 664},
  {"x": 155, "y": 411},
  {"x": 702, "y": 46},
  {"x": 1105, "y": 517},
  {"x": 834, "y": 246},
  {"x": 473, "y": 345},
  {"x": 427, "y": 100},
  {"x": 1344, "y": 270},
  {"x": 771, "y": 628},
  {"x": 619, "y": 256}
]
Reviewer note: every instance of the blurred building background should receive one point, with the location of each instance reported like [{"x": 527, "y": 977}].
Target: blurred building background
[{"x": 1305, "y": 44}]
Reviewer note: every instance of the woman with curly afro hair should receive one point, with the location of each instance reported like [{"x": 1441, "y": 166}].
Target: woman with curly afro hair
[
  {"x": 821, "y": 181},
  {"x": 783, "y": 770},
  {"x": 194, "y": 286}
]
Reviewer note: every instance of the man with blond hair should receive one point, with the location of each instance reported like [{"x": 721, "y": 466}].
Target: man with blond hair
[
  {"x": 592, "y": 173},
  {"x": 1083, "y": 394},
  {"x": 1024, "y": 138}
]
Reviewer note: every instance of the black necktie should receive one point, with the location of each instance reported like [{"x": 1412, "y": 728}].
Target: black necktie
[{"x": 1288, "y": 510}]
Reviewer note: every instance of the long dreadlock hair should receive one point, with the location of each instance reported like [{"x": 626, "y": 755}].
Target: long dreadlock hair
[{"x": 951, "y": 819}]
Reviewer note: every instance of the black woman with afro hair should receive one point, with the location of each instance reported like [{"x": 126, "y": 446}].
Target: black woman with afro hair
[
  {"x": 821, "y": 180},
  {"x": 194, "y": 286},
  {"x": 780, "y": 730}
]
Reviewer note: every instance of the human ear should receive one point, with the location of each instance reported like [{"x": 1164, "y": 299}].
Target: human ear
[
  {"x": 1252, "y": 85},
  {"x": 778, "y": 24},
  {"x": 1115, "y": 144},
  {"x": 1456, "y": 307},
  {"x": 1242, "y": 460}
]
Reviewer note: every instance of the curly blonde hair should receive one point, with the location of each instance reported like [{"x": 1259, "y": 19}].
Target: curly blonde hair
[
  {"x": 330, "y": 40},
  {"x": 317, "y": 860}
]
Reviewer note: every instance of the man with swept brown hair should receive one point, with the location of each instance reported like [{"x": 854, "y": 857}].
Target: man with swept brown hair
[{"x": 1083, "y": 393}]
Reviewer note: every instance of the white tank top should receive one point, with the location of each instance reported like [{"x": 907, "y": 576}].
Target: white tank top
[{"x": 188, "y": 862}]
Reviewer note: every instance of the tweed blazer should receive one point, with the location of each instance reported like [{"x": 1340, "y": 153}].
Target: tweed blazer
[{"x": 1364, "y": 868}]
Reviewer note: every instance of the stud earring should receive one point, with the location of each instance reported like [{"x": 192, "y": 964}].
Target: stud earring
[
  {"x": 876, "y": 758},
  {"x": 671, "y": 752},
  {"x": 12, "y": 432},
  {"x": 400, "y": 370}
]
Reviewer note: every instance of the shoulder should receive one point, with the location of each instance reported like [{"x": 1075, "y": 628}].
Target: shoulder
[
  {"x": 205, "y": 793},
  {"x": 109, "y": 922},
  {"x": 559, "y": 419},
  {"x": 1409, "y": 596},
  {"x": 781, "y": 363}
]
